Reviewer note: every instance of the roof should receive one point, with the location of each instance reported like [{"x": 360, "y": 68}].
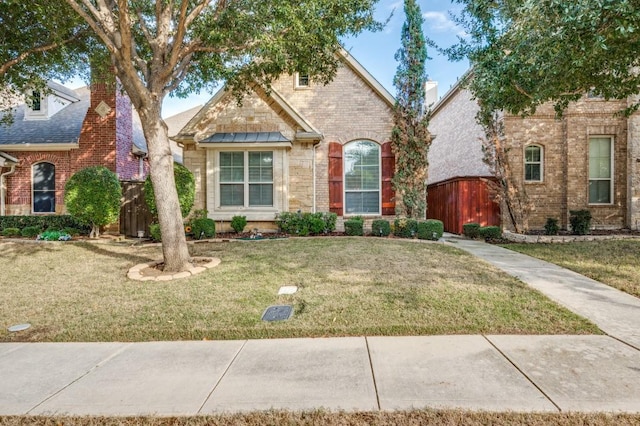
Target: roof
[
  {"x": 62, "y": 127},
  {"x": 248, "y": 137}
]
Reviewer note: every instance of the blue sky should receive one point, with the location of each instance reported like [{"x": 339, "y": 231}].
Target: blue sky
[{"x": 376, "y": 51}]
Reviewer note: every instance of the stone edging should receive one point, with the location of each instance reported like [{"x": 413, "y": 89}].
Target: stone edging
[
  {"x": 531, "y": 239},
  {"x": 135, "y": 273}
]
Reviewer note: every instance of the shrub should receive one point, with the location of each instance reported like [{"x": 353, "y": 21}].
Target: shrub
[
  {"x": 154, "y": 231},
  {"x": 10, "y": 232},
  {"x": 43, "y": 222},
  {"x": 71, "y": 231},
  {"x": 31, "y": 231},
  {"x": 580, "y": 221},
  {"x": 381, "y": 227},
  {"x": 185, "y": 185},
  {"x": 431, "y": 229},
  {"x": 92, "y": 196},
  {"x": 203, "y": 228},
  {"x": 471, "y": 230},
  {"x": 306, "y": 223},
  {"x": 490, "y": 232},
  {"x": 54, "y": 236},
  {"x": 354, "y": 226},
  {"x": 551, "y": 227},
  {"x": 405, "y": 228},
  {"x": 238, "y": 223}
]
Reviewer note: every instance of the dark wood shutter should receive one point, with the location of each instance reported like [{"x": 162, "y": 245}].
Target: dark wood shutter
[
  {"x": 388, "y": 170},
  {"x": 335, "y": 178}
]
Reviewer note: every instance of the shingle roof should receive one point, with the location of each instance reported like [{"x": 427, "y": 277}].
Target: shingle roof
[{"x": 62, "y": 127}]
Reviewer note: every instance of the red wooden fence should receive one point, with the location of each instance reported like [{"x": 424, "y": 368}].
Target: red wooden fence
[{"x": 462, "y": 200}]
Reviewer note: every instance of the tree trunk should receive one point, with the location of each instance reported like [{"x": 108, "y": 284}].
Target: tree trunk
[{"x": 174, "y": 244}]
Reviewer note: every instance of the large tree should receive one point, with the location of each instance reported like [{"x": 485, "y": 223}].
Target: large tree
[
  {"x": 526, "y": 53},
  {"x": 410, "y": 137},
  {"x": 179, "y": 46}
]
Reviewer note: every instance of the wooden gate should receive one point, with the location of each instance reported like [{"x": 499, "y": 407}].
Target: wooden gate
[{"x": 134, "y": 213}]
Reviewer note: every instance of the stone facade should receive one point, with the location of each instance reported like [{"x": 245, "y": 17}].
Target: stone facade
[
  {"x": 352, "y": 107},
  {"x": 564, "y": 184}
]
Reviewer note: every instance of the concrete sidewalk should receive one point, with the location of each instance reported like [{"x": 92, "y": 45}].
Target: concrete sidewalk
[{"x": 493, "y": 373}]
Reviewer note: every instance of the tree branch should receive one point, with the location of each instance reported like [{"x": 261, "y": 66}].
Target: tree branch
[{"x": 22, "y": 56}]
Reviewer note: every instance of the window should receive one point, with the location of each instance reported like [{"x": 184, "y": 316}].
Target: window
[
  {"x": 44, "y": 188},
  {"x": 362, "y": 178},
  {"x": 246, "y": 178},
  {"x": 35, "y": 101},
  {"x": 533, "y": 157},
  {"x": 600, "y": 170},
  {"x": 302, "y": 80}
]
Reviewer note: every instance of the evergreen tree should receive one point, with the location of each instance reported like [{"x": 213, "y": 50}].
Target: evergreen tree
[{"x": 410, "y": 137}]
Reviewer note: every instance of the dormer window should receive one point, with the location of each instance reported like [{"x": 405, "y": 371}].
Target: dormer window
[
  {"x": 36, "y": 101},
  {"x": 301, "y": 80}
]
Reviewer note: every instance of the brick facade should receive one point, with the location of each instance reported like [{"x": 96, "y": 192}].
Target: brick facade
[
  {"x": 565, "y": 146},
  {"x": 105, "y": 141}
]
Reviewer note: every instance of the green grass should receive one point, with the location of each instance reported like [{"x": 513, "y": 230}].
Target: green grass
[
  {"x": 613, "y": 262},
  {"x": 399, "y": 418},
  {"x": 348, "y": 286}
]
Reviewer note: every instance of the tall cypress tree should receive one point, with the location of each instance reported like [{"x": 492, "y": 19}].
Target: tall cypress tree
[{"x": 410, "y": 137}]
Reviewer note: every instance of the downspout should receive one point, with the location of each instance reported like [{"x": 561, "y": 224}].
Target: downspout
[
  {"x": 315, "y": 145},
  {"x": 3, "y": 189}
]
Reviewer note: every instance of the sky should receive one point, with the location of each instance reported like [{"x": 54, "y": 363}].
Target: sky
[{"x": 376, "y": 51}]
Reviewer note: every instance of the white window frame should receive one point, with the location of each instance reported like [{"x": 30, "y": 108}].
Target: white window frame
[
  {"x": 344, "y": 180},
  {"x": 253, "y": 213},
  {"x": 297, "y": 84},
  {"x": 611, "y": 169},
  {"x": 540, "y": 163},
  {"x": 33, "y": 191}
]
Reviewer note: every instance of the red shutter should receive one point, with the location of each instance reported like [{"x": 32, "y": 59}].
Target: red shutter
[
  {"x": 388, "y": 170},
  {"x": 335, "y": 178}
]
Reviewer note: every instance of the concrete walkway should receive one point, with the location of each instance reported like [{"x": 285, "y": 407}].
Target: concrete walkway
[{"x": 493, "y": 373}]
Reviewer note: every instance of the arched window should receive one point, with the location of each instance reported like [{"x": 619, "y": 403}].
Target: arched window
[
  {"x": 362, "y": 178},
  {"x": 44, "y": 188},
  {"x": 533, "y": 163}
]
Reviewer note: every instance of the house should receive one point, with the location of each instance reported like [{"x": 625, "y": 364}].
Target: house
[
  {"x": 587, "y": 159},
  {"x": 302, "y": 146},
  {"x": 60, "y": 132}
]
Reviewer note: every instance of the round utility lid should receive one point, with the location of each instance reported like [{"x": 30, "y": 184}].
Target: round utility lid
[{"x": 19, "y": 327}]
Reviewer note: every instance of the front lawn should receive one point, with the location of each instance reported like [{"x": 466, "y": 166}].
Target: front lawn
[
  {"x": 613, "y": 262},
  {"x": 347, "y": 286}
]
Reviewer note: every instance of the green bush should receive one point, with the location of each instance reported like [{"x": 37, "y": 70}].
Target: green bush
[
  {"x": 185, "y": 185},
  {"x": 10, "y": 232},
  {"x": 354, "y": 226},
  {"x": 380, "y": 227},
  {"x": 154, "y": 231},
  {"x": 92, "y": 196},
  {"x": 43, "y": 222},
  {"x": 74, "y": 232},
  {"x": 471, "y": 230},
  {"x": 580, "y": 221},
  {"x": 238, "y": 223},
  {"x": 405, "y": 228},
  {"x": 303, "y": 224},
  {"x": 203, "y": 228},
  {"x": 490, "y": 232},
  {"x": 31, "y": 231},
  {"x": 430, "y": 229},
  {"x": 54, "y": 236},
  {"x": 551, "y": 227}
]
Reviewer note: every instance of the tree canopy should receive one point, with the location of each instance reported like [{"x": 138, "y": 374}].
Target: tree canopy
[{"x": 525, "y": 52}]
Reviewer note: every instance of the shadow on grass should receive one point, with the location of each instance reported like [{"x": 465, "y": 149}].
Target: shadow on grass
[
  {"x": 13, "y": 250},
  {"x": 102, "y": 251}
]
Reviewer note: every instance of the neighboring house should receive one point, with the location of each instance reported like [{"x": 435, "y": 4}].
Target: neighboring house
[
  {"x": 302, "y": 146},
  {"x": 61, "y": 132},
  {"x": 175, "y": 123},
  {"x": 588, "y": 159}
]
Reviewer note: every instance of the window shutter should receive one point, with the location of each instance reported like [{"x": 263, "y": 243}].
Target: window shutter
[
  {"x": 388, "y": 170},
  {"x": 335, "y": 178}
]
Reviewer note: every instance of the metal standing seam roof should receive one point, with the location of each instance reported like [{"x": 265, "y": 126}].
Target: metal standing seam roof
[{"x": 246, "y": 137}]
